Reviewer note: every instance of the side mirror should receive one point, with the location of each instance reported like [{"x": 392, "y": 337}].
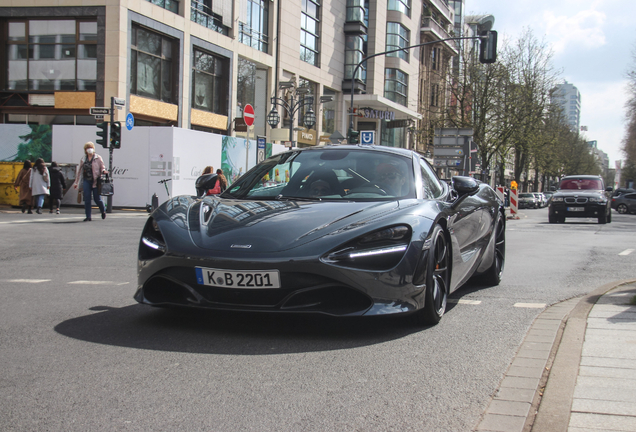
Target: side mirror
[
  {"x": 465, "y": 185},
  {"x": 609, "y": 189},
  {"x": 204, "y": 183}
]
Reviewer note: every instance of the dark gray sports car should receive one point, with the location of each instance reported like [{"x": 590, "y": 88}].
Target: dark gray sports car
[{"x": 339, "y": 230}]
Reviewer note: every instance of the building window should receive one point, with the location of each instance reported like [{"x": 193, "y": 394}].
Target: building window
[
  {"x": 201, "y": 13},
  {"x": 329, "y": 113},
  {"x": 355, "y": 11},
  {"x": 171, "y": 5},
  {"x": 403, "y": 6},
  {"x": 354, "y": 53},
  {"x": 253, "y": 32},
  {"x": 397, "y": 36},
  {"x": 51, "y": 55},
  {"x": 436, "y": 58},
  {"x": 309, "y": 37},
  {"x": 396, "y": 85},
  {"x": 435, "y": 95},
  {"x": 310, "y": 97},
  {"x": 393, "y": 137},
  {"x": 152, "y": 71},
  {"x": 209, "y": 83},
  {"x": 246, "y": 85}
]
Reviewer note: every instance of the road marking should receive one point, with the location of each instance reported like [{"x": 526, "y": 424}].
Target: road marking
[
  {"x": 463, "y": 301},
  {"x": 85, "y": 282},
  {"x": 29, "y": 280},
  {"x": 626, "y": 252},
  {"x": 530, "y": 305}
]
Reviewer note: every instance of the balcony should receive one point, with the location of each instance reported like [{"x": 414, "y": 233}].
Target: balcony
[{"x": 436, "y": 31}]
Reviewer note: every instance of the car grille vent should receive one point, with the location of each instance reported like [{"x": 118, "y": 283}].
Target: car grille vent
[{"x": 571, "y": 200}]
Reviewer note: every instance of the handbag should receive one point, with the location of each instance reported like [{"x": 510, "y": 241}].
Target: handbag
[{"x": 105, "y": 185}]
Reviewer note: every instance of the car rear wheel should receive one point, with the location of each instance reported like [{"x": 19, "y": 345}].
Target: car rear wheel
[
  {"x": 437, "y": 280},
  {"x": 492, "y": 276},
  {"x": 622, "y": 208}
]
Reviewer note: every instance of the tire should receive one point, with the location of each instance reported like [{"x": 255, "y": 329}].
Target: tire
[
  {"x": 602, "y": 218},
  {"x": 621, "y": 208},
  {"x": 437, "y": 280},
  {"x": 562, "y": 219},
  {"x": 492, "y": 276},
  {"x": 552, "y": 219},
  {"x": 609, "y": 216}
]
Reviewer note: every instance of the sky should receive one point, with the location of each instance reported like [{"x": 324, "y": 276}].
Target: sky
[{"x": 594, "y": 46}]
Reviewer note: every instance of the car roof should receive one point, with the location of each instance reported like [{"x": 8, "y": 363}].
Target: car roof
[
  {"x": 350, "y": 147},
  {"x": 584, "y": 176}
]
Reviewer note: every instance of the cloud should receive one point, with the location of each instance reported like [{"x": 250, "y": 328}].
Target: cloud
[{"x": 584, "y": 29}]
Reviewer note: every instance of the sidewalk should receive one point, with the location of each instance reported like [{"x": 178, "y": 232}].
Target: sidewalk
[{"x": 576, "y": 369}]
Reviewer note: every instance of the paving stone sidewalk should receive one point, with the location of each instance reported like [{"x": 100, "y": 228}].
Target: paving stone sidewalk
[{"x": 576, "y": 369}]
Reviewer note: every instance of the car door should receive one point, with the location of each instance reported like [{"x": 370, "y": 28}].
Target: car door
[{"x": 630, "y": 200}]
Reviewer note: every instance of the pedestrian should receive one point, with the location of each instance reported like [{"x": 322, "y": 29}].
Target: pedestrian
[
  {"x": 222, "y": 179},
  {"x": 58, "y": 184},
  {"x": 40, "y": 183},
  {"x": 208, "y": 170},
  {"x": 22, "y": 182},
  {"x": 89, "y": 170}
]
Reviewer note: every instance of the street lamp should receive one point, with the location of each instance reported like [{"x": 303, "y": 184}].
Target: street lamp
[{"x": 292, "y": 106}]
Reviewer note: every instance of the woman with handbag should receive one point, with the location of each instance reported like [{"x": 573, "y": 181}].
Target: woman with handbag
[
  {"x": 89, "y": 170},
  {"x": 40, "y": 183}
]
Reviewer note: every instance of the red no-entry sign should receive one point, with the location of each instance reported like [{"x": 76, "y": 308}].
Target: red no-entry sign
[{"x": 248, "y": 115}]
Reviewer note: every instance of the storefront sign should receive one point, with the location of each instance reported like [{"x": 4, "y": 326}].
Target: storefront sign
[
  {"x": 307, "y": 136},
  {"x": 374, "y": 114}
]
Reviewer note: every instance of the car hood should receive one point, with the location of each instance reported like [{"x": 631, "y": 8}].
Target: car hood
[{"x": 273, "y": 226}]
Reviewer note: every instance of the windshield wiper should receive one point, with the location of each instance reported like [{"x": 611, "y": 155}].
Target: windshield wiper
[{"x": 282, "y": 197}]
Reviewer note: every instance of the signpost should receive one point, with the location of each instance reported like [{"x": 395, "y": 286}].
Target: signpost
[
  {"x": 367, "y": 137},
  {"x": 95, "y": 111},
  {"x": 260, "y": 149},
  {"x": 248, "y": 117}
]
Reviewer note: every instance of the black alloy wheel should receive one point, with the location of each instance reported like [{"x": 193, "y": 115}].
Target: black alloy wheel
[
  {"x": 437, "y": 280},
  {"x": 492, "y": 276},
  {"x": 622, "y": 208}
]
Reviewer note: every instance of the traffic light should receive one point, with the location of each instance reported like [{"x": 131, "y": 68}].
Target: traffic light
[
  {"x": 115, "y": 135},
  {"x": 102, "y": 131},
  {"x": 488, "y": 47},
  {"x": 354, "y": 137}
]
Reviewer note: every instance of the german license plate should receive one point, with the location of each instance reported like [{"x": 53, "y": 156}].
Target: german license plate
[
  {"x": 243, "y": 279},
  {"x": 575, "y": 209}
]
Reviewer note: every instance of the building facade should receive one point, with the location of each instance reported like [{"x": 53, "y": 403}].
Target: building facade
[
  {"x": 196, "y": 64},
  {"x": 569, "y": 98}
]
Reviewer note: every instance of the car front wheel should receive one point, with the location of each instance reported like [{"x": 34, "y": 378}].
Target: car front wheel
[{"x": 437, "y": 280}]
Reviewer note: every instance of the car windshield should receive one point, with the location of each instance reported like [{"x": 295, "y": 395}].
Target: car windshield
[
  {"x": 328, "y": 174},
  {"x": 581, "y": 184}
]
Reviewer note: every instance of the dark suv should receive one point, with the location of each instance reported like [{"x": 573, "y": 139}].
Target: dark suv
[{"x": 581, "y": 196}]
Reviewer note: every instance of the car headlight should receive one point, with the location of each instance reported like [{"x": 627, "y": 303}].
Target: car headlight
[
  {"x": 599, "y": 200},
  {"x": 557, "y": 199},
  {"x": 378, "y": 250},
  {"x": 152, "y": 243}
]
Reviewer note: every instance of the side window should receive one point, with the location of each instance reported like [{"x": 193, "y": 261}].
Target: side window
[{"x": 430, "y": 182}]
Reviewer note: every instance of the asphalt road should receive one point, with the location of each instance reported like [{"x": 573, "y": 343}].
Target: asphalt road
[{"x": 77, "y": 353}]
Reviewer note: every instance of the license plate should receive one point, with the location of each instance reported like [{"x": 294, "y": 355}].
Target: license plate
[
  {"x": 243, "y": 279},
  {"x": 576, "y": 209}
]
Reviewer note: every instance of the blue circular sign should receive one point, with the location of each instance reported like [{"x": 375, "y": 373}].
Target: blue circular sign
[{"x": 130, "y": 121}]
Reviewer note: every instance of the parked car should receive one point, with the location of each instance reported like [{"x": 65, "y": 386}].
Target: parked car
[
  {"x": 541, "y": 199},
  {"x": 548, "y": 196},
  {"x": 528, "y": 200},
  {"x": 621, "y": 191},
  {"x": 581, "y": 196},
  {"x": 351, "y": 231},
  {"x": 625, "y": 203}
]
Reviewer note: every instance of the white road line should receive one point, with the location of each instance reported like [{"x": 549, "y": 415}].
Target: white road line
[
  {"x": 530, "y": 305},
  {"x": 29, "y": 280},
  {"x": 626, "y": 252},
  {"x": 463, "y": 301},
  {"x": 85, "y": 282}
]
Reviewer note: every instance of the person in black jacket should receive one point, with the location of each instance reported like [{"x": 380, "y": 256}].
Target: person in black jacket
[{"x": 58, "y": 184}]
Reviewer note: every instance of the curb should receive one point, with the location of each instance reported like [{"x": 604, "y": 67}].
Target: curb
[{"x": 536, "y": 391}]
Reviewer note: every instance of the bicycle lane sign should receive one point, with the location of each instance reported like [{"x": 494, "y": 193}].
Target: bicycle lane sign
[{"x": 130, "y": 121}]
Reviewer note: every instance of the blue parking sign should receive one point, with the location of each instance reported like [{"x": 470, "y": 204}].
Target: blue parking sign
[{"x": 367, "y": 137}]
